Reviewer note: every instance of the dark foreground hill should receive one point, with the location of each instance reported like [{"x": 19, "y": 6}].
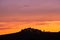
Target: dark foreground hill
[{"x": 31, "y": 34}]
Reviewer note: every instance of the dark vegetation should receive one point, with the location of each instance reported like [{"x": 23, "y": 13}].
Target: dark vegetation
[{"x": 31, "y": 34}]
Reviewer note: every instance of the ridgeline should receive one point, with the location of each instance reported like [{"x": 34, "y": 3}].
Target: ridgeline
[{"x": 31, "y": 34}]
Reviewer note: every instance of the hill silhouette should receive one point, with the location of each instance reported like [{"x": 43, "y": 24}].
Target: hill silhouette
[{"x": 31, "y": 34}]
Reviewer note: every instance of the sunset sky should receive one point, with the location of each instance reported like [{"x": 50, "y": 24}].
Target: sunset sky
[{"x": 19, "y": 14}]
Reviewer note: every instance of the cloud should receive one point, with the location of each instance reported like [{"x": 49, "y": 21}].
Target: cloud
[
  {"x": 4, "y": 28},
  {"x": 2, "y": 25},
  {"x": 42, "y": 24},
  {"x": 29, "y": 8}
]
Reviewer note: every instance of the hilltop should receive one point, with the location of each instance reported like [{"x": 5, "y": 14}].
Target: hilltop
[{"x": 31, "y": 34}]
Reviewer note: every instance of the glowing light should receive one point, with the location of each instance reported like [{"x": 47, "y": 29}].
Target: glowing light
[{"x": 12, "y": 27}]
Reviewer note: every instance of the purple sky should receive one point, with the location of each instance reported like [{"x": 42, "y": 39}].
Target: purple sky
[{"x": 29, "y": 10}]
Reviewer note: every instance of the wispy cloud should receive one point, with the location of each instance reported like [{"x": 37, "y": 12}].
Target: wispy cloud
[{"x": 30, "y": 10}]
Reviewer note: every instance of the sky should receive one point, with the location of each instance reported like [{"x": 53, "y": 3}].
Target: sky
[
  {"x": 29, "y": 10},
  {"x": 24, "y": 13}
]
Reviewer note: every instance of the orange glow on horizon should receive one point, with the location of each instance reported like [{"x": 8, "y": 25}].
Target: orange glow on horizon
[
  {"x": 16, "y": 15},
  {"x": 12, "y": 27}
]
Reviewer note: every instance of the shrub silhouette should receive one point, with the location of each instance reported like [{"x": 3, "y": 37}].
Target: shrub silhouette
[{"x": 31, "y": 34}]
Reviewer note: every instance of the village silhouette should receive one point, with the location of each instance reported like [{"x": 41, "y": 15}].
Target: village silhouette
[{"x": 31, "y": 34}]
